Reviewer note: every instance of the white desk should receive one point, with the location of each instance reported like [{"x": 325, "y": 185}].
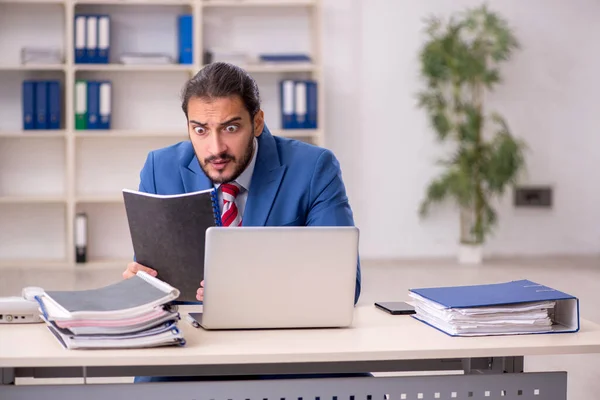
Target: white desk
[{"x": 376, "y": 342}]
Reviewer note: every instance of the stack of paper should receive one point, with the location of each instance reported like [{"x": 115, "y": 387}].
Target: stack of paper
[
  {"x": 132, "y": 313},
  {"x": 518, "y": 307}
]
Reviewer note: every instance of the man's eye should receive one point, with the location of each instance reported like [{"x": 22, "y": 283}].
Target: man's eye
[
  {"x": 231, "y": 128},
  {"x": 199, "y": 130}
]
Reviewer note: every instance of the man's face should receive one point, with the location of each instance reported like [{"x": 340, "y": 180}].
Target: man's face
[{"x": 222, "y": 135}]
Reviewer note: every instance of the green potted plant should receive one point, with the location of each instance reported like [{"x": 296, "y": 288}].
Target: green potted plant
[{"x": 460, "y": 62}]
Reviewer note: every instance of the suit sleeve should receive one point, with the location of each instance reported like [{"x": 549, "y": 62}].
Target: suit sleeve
[
  {"x": 147, "y": 183},
  {"x": 329, "y": 203}
]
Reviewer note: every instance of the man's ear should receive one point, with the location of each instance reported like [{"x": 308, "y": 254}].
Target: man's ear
[{"x": 259, "y": 123}]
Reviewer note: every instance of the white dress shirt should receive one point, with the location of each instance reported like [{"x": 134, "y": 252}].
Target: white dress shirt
[{"x": 244, "y": 181}]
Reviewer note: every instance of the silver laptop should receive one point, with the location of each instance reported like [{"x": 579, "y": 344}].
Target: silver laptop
[{"x": 279, "y": 277}]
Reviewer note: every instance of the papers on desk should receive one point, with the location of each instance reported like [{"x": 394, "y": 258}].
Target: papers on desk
[
  {"x": 518, "y": 307},
  {"x": 131, "y": 313}
]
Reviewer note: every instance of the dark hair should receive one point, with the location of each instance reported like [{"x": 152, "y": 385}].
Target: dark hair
[{"x": 222, "y": 79}]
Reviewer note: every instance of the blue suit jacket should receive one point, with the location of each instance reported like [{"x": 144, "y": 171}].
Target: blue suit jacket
[{"x": 293, "y": 184}]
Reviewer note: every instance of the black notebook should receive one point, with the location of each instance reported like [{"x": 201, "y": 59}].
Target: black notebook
[{"x": 168, "y": 234}]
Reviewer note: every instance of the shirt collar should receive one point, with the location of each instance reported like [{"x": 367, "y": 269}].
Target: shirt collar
[{"x": 245, "y": 177}]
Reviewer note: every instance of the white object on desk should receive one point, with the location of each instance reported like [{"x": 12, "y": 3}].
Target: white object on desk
[{"x": 18, "y": 310}]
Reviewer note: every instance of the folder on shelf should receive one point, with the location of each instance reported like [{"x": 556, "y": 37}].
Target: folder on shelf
[
  {"x": 91, "y": 46},
  {"x": 41, "y": 105},
  {"x": 29, "y": 105},
  {"x": 80, "y": 39},
  {"x": 93, "y": 105},
  {"x": 105, "y": 108},
  {"x": 186, "y": 39},
  {"x": 287, "y": 104},
  {"x": 299, "y": 104},
  {"x": 312, "y": 102},
  {"x": 54, "y": 105},
  {"x": 81, "y": 104},
  {"x": 508, "y": 308},
  {"x": 103, "y": 56},
  {"x": 284, "y": 58}
]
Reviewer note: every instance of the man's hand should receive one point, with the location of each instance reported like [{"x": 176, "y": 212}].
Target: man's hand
[
  {"x": 200, "y": 292},
  {"x": 133, "y": 268}
]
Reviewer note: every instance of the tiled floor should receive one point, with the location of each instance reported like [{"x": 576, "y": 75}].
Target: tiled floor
[{"x": 391, "y": 280}]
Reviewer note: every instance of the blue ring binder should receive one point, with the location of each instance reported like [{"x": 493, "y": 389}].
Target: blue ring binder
[{"x": 216, "y": 209}]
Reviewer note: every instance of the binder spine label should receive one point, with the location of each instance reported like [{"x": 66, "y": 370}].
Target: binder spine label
[
  {"x": 80, "y": 39},
  {"x": 105, "y": 105},
  {"x": 287, "y": 104},
  {"x": 92, "y": 39},
  {"x": 81, "y": 105},
  {"x": 103, "y": 39}
]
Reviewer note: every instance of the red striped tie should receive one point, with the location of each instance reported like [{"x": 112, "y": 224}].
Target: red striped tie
[{"x": 230, "y": 215}]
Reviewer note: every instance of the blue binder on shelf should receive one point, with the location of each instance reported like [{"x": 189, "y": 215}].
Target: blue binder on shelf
[
  {"x": 504, "y": 296},
  {"x": 93, "y": 103},
  {"x": 311, "y": 105},
  {"x": 298, "y": 104},
  {"x": 54, "y": 105},
  {"x": 185, "y": 39},
  {"x": 103, "y": 53},
  {"x": 80, "y": 39},
  {"x": 41, "y": 105},
  {"x": 91, "y": 43},
  {"x": 105, "y": 104},
  {"x": 28, "y": 93},
  {"x": 287, "y": 104}
]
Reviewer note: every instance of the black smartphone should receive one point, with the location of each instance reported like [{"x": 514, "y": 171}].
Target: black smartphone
[{"x": 396, "y": 307}]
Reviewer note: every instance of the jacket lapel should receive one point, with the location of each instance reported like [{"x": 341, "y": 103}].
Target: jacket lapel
[
  {"x": 266, "y": 179},
  {"x": 192, "y": 175}
]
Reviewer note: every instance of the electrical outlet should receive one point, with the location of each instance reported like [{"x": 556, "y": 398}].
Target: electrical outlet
[{"x": 533, "y": 196}]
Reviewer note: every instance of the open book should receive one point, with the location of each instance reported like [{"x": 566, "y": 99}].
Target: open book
[{"x": 168, "y": 234}]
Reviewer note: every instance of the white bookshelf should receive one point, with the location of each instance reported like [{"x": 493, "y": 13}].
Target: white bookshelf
[{"x": 46, "y": 177}]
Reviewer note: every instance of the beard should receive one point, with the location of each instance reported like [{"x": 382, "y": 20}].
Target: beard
[{"x": 238, "y": 164}]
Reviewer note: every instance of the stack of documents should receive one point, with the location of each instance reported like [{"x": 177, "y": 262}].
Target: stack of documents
[
  {"x": 132, "y": 313},
  {"x": 517, "y": 307}
]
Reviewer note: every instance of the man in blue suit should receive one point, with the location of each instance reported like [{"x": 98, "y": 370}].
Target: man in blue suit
[{"x": 262, "y": 180}]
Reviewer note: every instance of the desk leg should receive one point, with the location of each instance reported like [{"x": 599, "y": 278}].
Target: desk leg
[{"x": 7, "y": 376}]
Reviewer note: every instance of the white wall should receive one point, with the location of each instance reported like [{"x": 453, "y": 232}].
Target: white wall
[{"x": 550, "y": 98}]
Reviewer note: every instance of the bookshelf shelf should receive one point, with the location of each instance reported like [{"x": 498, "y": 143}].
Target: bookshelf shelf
[
  {"x": 33, "y": 67},
  {"x": 133, "y": 68},
  {"x": 47, "y": 177},
  {"x": 135, "y": 2},
  {"x": 100, "y": 199},
  {"x": 131, "y": 134},
  {"x": 33, "y": 134},
  {"x": 258, "y": 3},
  {"x": 33, "y": 200}
]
